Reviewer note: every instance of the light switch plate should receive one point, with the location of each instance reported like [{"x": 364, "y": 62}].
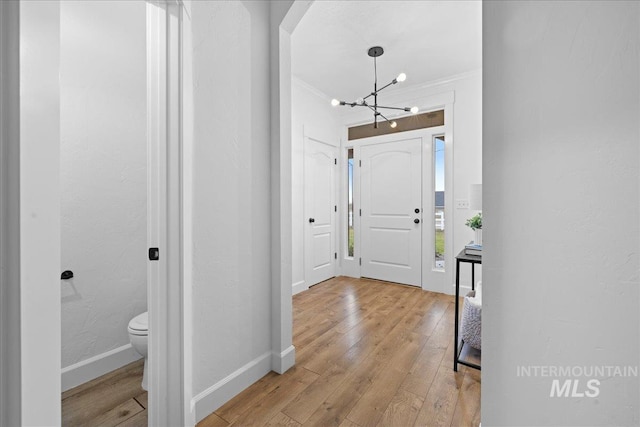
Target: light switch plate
[{"x": 462, "y": 204}]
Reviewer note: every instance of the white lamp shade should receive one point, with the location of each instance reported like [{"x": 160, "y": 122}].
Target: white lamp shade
[{"x": 475, "y": 197}]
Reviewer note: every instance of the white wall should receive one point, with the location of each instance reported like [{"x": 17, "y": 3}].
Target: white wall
[
  {"x": 229, "y": 192},
  {"x": 103, "y": 176},
  {"x": 313, "y": 116},
  {"x": 467, "y": 146},
  {"x": 39, "y": 213},
  {"x": 562, "y": 208}
]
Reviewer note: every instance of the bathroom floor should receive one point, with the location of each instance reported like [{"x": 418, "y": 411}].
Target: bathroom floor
[{"x": 114, "y": 399}]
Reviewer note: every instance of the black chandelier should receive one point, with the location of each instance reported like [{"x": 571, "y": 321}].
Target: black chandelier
[{"x": 375, "y": 52}]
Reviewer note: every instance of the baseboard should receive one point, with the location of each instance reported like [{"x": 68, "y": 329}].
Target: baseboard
[
  {"x": 96, "y": 366},
  {"x": 281, "y": 362},
  {"x": 464, "y": 290},
  {"x": 299, "y": 287},
  {"x": 224, "y": 390}
]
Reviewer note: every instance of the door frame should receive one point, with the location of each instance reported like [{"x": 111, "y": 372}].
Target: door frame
[
  {"x": 169, "y": 371},
  {"x": 428, "y": 188},
  {"x": 30, "y": 325},
  {"x": 334, "y": 242},
  {"x": 10, "y": 366},
  {"x": 350, "y": 265},
  {"x": 36, "y": 388}
]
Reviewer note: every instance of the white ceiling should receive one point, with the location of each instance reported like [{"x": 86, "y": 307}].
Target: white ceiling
[{"x": 427, "y": 40}]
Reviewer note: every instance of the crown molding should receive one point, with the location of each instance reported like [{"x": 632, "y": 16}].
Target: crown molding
[
  {"x": 317, "y": 92},
  {"x": 399, "y": 93}
]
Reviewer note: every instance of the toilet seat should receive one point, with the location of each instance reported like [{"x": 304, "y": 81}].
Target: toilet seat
[{"x": 139, "y": 325}]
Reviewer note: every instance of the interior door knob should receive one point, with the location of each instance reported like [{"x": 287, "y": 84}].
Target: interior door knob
[
  {"x": 312, "y": 220},
  {"x": 417, "y": 221}
]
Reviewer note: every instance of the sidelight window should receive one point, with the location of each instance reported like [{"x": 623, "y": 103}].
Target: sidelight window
[
  {"x": 350, "y": 236},
  {"x": 438, "y": 179}
]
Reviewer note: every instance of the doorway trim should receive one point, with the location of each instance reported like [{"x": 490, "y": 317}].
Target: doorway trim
[
  {"x": 33, "y": 329},
  {"x": 285, "y": 16},
  {"x": 428, "y": 189},
  {"x": 30, "y": 213},
  {"x": 10, "y": 381},
  {"x": 169, "y": 371},
  {"x": 349, "y": 266}
]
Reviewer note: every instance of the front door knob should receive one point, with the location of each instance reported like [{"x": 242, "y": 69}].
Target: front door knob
[
  {"x": 417, "y": 221},
  {"x": 312, "y": 220}
]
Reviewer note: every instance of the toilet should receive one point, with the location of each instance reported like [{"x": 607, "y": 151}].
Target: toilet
[{"x": 139, "y": 336}]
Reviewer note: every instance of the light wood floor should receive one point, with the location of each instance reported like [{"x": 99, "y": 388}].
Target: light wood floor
[
  {"x": 367, "y": 353},
  {"x": 114, "y": 399}
]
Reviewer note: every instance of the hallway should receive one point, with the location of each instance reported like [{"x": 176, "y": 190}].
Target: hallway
[{"x": 367, "y": 353}]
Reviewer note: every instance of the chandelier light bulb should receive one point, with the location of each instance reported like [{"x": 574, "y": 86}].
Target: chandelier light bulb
[
  {"x": 359, "y": 101},
  {"x": 335, "y": 102},
  {"x": 414, "y": 110},
  {"x": 401, "y": 77},
  {"x": 393, "y": 124}
]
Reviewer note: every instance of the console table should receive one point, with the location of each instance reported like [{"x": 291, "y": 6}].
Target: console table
[{"x": 459, "y": 345}]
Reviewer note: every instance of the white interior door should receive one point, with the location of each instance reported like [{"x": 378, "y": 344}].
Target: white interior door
[
  {"x": 391, "y": 217},
  {"x": 320, "y": 211}
]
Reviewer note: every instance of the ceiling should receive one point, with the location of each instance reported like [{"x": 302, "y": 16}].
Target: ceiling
[{"x": 427, "y": 40}]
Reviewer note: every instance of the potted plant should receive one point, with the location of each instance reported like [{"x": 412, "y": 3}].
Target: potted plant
[{"x": 475, "y": 223}]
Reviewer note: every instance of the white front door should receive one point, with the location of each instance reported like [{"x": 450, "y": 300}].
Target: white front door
[
  {"x": 391, "y": 201},
  {"x": 320, "y": 211}
]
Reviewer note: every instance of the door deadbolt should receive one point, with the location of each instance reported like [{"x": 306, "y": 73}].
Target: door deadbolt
[{"x": 417, "y": 210}]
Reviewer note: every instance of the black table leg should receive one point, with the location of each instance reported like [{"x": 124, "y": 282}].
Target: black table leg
[
  {"x": 473, "y": 277},
  {"x": 455, "y": 343},
  {"x": 458, "y": 344}
]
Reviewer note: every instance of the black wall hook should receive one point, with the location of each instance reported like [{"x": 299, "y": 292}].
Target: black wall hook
[{"x": 66, "y": 275}]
